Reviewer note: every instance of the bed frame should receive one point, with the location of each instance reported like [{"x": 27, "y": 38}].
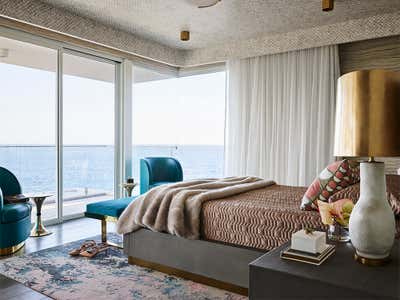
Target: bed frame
[{"x": 215, "y": 264}]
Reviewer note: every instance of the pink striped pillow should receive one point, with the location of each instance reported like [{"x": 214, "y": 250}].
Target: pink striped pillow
[{"x": 332, "y": 179}]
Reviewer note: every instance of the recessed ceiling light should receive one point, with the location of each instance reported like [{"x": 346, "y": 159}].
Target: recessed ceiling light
[
  {"x": 185, "y": 35},
  {"x": 327, "y": 5}
]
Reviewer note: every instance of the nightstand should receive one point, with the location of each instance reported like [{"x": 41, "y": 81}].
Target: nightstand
[{"x": 339, "y": 277}]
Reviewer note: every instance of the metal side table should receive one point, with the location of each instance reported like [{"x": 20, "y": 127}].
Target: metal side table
[
  {"x": 39, "y": 230},
  {"x": 129, "y": 186}
]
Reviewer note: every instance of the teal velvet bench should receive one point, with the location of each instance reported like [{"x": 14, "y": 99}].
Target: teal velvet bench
[{"x": 107, "y": 211}]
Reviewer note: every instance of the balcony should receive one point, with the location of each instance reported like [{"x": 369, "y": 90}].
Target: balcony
[{"x": 88, "y": 170}]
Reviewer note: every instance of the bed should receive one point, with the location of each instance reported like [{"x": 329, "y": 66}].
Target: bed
[{"x": 234, "y": 231}]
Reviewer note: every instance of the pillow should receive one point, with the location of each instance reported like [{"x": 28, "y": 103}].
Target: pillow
[
  {"x": 332, "y": 179},
  {"x": 392, "y": 192}
]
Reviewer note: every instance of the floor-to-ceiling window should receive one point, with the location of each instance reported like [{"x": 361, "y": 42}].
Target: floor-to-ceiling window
[
  {"x": 180, "y": 117},
  {"x": 60, "y": 121},
  {"x": 27, "y": 117},
  {"x": 88, "y": 132},
  {"x": 57, "y": 123}
]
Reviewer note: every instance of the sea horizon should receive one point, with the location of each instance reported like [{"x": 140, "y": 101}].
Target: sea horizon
[
  {"x": 104, "y": 145},
  {"x": 92, "y": 166}
]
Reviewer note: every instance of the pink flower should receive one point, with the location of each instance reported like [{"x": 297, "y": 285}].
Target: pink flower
[{"x": 338, "y": 211}]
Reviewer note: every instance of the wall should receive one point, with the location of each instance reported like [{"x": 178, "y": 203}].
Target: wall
[{"x": 370, "y": 54}]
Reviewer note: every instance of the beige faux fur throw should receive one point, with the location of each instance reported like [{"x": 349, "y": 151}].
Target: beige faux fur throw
[{"x": 175, "y": 208}]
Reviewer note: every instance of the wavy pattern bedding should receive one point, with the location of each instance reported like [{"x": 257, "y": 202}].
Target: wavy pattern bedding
[{"x": 261, "y": 219}]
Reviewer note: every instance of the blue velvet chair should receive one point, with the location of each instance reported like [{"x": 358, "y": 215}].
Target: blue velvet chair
[
  {"x": 15, "y": 219},
  {"x": 155, "y": 171}
]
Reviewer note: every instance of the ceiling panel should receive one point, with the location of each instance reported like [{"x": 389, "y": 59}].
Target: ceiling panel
[{"x": 162, "y": 20}]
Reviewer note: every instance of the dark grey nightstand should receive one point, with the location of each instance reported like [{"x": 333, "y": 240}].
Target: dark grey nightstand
[{"x": 339, "y": 277}]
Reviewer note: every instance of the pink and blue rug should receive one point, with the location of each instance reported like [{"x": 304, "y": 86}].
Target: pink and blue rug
[{"x": 55, "y": 274}]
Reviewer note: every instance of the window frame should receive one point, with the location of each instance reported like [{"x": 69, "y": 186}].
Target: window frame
[{"x": 123, "y": 102}]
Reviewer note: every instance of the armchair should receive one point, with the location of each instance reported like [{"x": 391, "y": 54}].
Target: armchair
[
  {"x": 15, "y": 219},
  {"x": 155, "y": 171}
]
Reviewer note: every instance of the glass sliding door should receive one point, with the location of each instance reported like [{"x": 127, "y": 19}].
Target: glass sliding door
[
  {"x": 187, "y": 117},
  {"x": 28, "y": 118},
  {"x": 88, "y": 131}
]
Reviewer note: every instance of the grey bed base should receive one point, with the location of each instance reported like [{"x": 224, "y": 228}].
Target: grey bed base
[{"x": 216, "y": 264}]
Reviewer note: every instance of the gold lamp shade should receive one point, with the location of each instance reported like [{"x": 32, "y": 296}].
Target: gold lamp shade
[{"x": 368, "y": 114}]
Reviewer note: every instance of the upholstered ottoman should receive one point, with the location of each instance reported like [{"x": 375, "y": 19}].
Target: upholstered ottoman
[{"x": 107, "y": 211}]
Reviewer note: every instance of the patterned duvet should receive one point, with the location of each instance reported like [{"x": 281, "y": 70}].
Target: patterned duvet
[{"x": 261, "y": 219}]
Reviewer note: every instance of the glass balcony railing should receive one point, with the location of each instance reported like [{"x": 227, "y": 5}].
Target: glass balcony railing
[
  {"x": 88, "y": 171},
  {"x": 88, "y": 174}
]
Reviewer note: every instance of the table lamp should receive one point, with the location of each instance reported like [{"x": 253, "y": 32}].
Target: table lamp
[{"x": 368, "y": 125}]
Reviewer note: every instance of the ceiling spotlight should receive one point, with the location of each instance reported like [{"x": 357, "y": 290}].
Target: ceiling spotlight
[
  {"x": 185, "y": 35},
  {"x": 203, "y": 3},
  {"x": 3, "y": 52},
  {"x": 327, "y": 5}
]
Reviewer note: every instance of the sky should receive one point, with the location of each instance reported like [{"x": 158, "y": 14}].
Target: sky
[{"x": 181, "y": 111}]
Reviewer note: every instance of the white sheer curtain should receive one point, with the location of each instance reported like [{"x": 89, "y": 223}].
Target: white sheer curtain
[{"x": 280, "y": 115}]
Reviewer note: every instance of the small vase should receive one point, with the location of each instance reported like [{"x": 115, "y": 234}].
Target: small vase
[{"x": 338, "y": 233}]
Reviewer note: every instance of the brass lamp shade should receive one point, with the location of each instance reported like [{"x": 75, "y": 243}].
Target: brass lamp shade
[{"x": 368, "y": 114}]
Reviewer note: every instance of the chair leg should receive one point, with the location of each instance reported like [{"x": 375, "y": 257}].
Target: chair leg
[
  {"x": 103, "y": 231},
  {"x": 104, "y": 235}
]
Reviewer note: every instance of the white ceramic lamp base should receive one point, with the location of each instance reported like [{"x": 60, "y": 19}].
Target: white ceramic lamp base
[{"x": 372, "y": 224}]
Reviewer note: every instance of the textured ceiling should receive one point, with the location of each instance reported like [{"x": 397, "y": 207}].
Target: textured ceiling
[{"x": 162, "y": 20}]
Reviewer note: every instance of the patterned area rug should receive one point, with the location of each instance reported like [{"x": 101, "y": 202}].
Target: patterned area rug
[{"x": 55, "y": 274}]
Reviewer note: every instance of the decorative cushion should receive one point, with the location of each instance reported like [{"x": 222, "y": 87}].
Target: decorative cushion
[
  {"x": 332, "y": 179},
  {"x": 392, "y": 189}
]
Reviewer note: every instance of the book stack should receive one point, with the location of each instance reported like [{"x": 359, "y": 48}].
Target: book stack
[
  {"x": 12, "y": 199},
  {"x": 306, "y": 257}
]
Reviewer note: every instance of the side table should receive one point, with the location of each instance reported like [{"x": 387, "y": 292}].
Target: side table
[
  {"x": 39, "y": 230},
  {"x": 129, "y": 186},
  {"x": 339, "y": 277}
]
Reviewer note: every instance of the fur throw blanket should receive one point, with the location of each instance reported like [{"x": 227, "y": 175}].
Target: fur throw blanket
[{"x": 175, "y": 208}]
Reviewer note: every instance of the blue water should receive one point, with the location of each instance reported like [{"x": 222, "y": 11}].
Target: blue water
[{"x": 93, "y": 166}]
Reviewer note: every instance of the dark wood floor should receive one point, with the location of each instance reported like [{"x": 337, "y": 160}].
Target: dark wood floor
[{"x": 62, "y": 233}]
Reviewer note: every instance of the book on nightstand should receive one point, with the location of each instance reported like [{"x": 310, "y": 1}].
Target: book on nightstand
[{"x": 309, "y": 258}]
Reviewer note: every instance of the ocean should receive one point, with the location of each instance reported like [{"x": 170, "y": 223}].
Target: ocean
[{"x": 92, "y": 167}]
